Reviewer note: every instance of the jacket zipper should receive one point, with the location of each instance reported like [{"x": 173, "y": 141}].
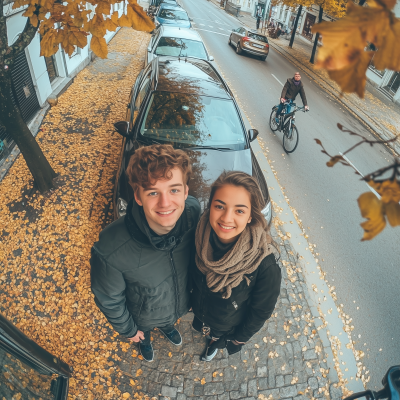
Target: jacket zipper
[{"x": 175, "y": 282}]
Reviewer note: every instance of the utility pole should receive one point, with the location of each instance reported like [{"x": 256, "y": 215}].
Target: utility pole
[
  {"x": 321, "y": 11},
  {"x": 295, "y": 26}
]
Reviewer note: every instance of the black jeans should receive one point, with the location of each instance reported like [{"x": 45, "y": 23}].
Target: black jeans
[
  {"x": 221, "y": 339},
  {"x": 147, "y": 341}
]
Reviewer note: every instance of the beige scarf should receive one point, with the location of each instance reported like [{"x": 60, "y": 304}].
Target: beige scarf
[{"x": 252, "y": 246}]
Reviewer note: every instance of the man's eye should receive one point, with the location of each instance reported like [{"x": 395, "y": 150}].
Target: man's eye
[
  {"x": 152, "y": 193},
  {"x": 175, "y": 191}
]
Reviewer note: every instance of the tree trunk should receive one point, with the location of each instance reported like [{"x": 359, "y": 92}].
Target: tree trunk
[
  {"x": 296, "y": 22},
  {"x": 314, "y": 50},
  {"x": 10, "y": 116}
]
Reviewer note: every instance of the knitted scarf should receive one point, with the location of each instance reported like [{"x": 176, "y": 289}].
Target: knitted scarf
[
  {"x": 296, "y": 83},
  {"x": 252, "y": 246}
]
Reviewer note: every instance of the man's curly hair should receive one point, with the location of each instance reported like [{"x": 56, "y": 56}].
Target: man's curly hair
[{"x": 151, "y": 163}]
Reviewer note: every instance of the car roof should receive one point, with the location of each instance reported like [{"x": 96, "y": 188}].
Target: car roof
[
  {"x": 189, "y": 75},
  {"x": 170, "y": 6},
  {"x": 184, "y": 33}
]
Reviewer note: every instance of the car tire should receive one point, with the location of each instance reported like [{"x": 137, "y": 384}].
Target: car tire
[
  {"x": 238, "y": 48},
  {"x": 229, "y": 41},
  {"x": 263, "y": 58}
]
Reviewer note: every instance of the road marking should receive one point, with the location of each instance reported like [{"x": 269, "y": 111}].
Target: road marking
[
  {"x": 205, "y": 30},
  {"x": 202, "y": 24},
  {"x": 222, "y": 29},
  {"x": 369, "y": 187},
  {"x": 210, "y": 26},
  {"x": 277, "y": 79}
]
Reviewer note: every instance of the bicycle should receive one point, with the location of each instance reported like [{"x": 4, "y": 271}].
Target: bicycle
[
  {"x": 287, "y": 125},
  {"x": 391, "y": 387}
]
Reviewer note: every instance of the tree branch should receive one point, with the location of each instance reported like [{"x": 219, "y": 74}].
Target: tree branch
[{"x": 22, "y": 42}]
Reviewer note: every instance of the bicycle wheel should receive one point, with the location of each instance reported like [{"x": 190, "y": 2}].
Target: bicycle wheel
[
  {"x": 272, "y": 123},
  {"x": 290, "y": 139}
]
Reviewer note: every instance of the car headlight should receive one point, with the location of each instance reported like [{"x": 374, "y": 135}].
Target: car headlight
[
  {"x": 121, "y": 207},
  {"x": 267, "y": 212}
]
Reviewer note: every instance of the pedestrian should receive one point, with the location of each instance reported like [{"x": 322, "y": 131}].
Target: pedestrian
[
  {"x": 292, "y": 88},
  {"x": 258, "y": 21},
  {"x": 140, "y": 265},
  {"x": 236, "y": 279}
]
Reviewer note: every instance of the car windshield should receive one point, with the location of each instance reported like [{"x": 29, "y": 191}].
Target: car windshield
[
  {"x": 181, "y": 47},
  {"x": 258, "y": 37},
  {"x": 192, "y": 120},
  {"x": 173, "y": 14}
]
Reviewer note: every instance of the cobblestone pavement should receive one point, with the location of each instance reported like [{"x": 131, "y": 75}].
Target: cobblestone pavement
[
  {"x": 282, "y": 361},
  {"x": 375, "y": 110}
]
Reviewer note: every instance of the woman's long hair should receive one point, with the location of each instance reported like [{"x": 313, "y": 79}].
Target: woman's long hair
[{"x": 246, "y": 181}]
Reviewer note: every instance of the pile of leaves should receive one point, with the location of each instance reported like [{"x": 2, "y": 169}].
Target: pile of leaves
[{"x": 45, "y": 241}]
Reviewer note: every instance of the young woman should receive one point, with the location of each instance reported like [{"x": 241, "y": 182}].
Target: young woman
[{"x": 236, "y": 280}]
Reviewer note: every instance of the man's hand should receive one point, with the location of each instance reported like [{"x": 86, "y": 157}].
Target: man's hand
[
  {"x": 138, "y": 337},
  {"x": 307, "y": 108},
  {"x": 282, "y": 100},
  {"x": 235, "y": 342}
]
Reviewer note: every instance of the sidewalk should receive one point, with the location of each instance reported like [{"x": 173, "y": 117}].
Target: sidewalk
[
  {"x": 45, "y": 282},
  {"x": 377, "y": 112}
]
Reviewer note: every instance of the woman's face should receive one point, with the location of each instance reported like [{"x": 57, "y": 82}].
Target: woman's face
[{"x": 230, "y": 212}]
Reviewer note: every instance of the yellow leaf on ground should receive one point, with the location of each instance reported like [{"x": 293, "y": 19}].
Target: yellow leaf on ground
[
  {"x": 99, "y": 46},
  {"x": 203, "y": 381},
  {"x": 126, "y": 395},
  {"x": 169, "y": 354},
  {"x": 139, "y": 372}
]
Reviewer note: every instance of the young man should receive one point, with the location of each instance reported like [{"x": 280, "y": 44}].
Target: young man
[
  {"x": 139, "y": 266},
  {"x": 292, "y": 88}
]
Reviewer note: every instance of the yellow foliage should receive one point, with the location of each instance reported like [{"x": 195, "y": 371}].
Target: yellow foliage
[
  {"x": 99, "y": 46},
  {"x": 343, "y": 52},
  {"x": 378, "y": 210},
  {"x": 68, "y": 24}
]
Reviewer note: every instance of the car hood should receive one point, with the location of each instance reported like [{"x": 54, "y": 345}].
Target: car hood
[
  {"x": 207, "y": 166},
  {"x": 174, "y": 22}
]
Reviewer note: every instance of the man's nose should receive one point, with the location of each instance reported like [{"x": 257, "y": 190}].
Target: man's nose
[{"x": 164, "y": 200}]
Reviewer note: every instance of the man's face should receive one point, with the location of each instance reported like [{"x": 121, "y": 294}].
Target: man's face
[
  {"x": 164, "y": 202},
  {"x": 297, "y": 76}
]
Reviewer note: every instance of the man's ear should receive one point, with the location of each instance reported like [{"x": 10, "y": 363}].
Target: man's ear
[
  {"x": 186, "y": 191},
  {"x": 137, "y": 197}
]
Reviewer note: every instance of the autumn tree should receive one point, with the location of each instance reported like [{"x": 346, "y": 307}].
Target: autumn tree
[{"x": 68, "y": 25}]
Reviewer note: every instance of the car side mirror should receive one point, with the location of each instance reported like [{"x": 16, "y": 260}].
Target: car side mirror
[
  {"x": 190, "y": 19},
  {"x": 149, "y": 49},
  {"x": 233, "y": 30},
  {"x": 253, "y": 133},
  {"x": 210, "y": 58},
  {"x": 122, "y": 127}
]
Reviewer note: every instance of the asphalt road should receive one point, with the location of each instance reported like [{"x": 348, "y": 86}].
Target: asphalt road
[{"x": 366, "y": 274}]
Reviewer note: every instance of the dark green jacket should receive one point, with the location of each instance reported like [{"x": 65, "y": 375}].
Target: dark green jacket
[
  {"x": 290, "y": 91},
  {"x": 139, "y": 283}
]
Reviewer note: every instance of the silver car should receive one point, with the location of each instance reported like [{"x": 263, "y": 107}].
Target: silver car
[{"x": 177, "y": 42}]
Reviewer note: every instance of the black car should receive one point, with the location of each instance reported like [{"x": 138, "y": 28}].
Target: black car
[
  {"x": 186, "y": 103},
  {"x": 27, "y": 371}
]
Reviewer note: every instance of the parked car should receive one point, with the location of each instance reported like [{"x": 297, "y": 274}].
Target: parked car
[
  {"x": 249, "y": 41},
  {"x": 186, "y": 103},
  {"x": 171, "y": 15},
  {"x": 27, "y": 371},
  {"x": 154, "y": 4},
  {"x": 178, "y": 42}
]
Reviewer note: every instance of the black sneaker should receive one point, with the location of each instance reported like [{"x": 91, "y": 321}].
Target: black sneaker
[
  {"x": 146, "y": 350},
  {"x": 174, "y": 337},
  {"x": 206, "y": 356}
]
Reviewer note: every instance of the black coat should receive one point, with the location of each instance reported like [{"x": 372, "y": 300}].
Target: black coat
[
  {"x": 290, "y": 91},
  {"x": 246, "y": 309},
  {"x": 140, "y": 283}
]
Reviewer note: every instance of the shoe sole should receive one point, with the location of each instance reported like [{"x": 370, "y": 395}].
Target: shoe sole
[
  {"x": 180, "y": 344},
  {"x": 202, "y": 358}
]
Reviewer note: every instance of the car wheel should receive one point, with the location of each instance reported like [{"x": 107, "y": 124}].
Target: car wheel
[
  {"x": 238, "y": 48},
  {"x": 263, "y": 58},
  {"x": 229, "y": 41}
]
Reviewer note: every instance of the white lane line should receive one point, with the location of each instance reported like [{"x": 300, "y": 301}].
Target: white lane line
[
  {"x": 210, "y": 26},
  {"x": 277, "y": 79},
  {"x": 205, "y": 30},
  {"x": 222, "y": 29},
  {"x": 202, "y": 24},
  {"x": 369, "y": 187}
]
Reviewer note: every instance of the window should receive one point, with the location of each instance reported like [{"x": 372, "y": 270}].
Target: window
[
  {"x": 142, "y": 93},
  {"x": 192, "y": 120},
  {"x": 173, "y": 14},
  {"x": 260, "y": 38},
  {"x": 51, "y": 68},
  {"x": 394, "y": 84},
  {"x": 180, "y": 47}
]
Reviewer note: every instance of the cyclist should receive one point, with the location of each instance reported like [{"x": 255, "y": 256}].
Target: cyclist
[{"x": 292, "y": 88}]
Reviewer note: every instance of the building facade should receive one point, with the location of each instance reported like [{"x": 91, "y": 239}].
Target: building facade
[{"x": 35, "y": 77}]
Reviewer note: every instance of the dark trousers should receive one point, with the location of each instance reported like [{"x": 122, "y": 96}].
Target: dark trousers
[
  {"x": 282, "y": 105},
  {"x": 147, "y": 334}
]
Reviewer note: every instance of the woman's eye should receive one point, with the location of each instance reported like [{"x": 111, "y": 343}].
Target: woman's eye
[
  {"x": 240, "y": 211},
  {"x": 219, "y": 207}
]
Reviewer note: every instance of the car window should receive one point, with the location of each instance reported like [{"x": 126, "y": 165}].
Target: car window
[
  {"x": 261, "y": 38},
  {"x": 144, "y": 86},
  {"x": 173, "y": 14},
  {"x": 20, "y": 381},
  {"x": 242, "y": 31},
  {"x": 189, "y": 119},
  {"x": 180, "y": 47}
]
